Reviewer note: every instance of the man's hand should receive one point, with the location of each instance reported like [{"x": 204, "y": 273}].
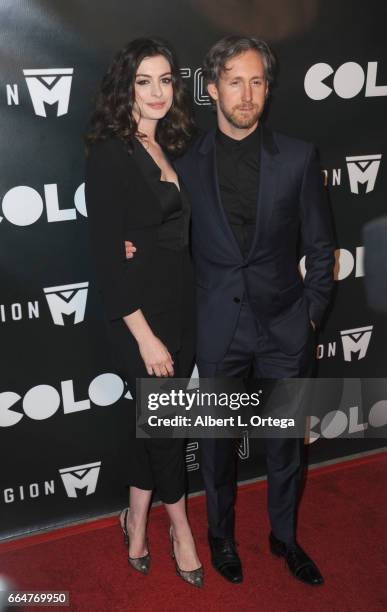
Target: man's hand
[
  {"x": 130, "y": 249},
  {"x": 313, "y": 324}
]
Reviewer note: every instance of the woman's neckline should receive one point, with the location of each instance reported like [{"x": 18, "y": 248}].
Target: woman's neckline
[{"x": 156, "y": 165}]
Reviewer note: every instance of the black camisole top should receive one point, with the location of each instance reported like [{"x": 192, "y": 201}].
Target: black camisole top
[{"x": 173, "y": 233}]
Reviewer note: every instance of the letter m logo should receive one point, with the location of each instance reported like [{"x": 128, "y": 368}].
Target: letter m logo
[
  {"x": 362, "y": 170},
  {"x": 66, "y": 300},
  {"x": 356, "y": 341},
  {"x": 49, "y": 86},
  {"x": 80, "y": 477}
]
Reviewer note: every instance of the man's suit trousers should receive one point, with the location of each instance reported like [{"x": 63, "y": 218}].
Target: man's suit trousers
[{"x": 253, "y": 351}]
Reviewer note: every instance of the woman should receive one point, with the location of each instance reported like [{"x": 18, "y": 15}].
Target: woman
[{"x": 141, "y": 119}]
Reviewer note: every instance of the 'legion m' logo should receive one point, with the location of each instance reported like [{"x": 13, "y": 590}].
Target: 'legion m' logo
[
  {"x": 356, "y": 341},
  {"x": 67, "y": 299},
  {"x": 49, "y": 86},
  {"x": 363, "y": 169},
  {"x": 80, "y": 477}
]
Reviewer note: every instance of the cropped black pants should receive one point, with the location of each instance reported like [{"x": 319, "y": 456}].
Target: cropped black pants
[{"x": 153, "y": 463}]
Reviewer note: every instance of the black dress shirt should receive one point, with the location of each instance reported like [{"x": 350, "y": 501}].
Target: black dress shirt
[{"x": 238, "y": 175}]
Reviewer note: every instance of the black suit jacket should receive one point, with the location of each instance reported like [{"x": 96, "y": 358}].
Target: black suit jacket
[
  {"x": 291, "y": 203},
  {"x": 122, "y": 205}
]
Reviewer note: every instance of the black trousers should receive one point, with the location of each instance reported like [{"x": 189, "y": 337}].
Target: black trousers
[
  {"x": 251, "y": 349},
  {"x": 153, "y": 463}
]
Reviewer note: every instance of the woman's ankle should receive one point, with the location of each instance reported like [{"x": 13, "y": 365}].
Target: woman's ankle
[
  {"x": 136, "y": 521},
  {"x": 182, "y": 531}
]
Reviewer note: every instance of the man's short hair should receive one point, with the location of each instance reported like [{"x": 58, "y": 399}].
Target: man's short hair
[{"x": 231, "y": 46}]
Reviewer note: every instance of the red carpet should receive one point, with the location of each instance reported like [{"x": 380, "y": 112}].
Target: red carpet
[{"x": 343, "y": 521}]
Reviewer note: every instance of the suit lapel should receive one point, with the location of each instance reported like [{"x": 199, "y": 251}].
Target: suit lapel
[{"x": 269, "y": 175}]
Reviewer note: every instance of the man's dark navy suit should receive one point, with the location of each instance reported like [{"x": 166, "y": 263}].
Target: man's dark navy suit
[{"x": 256, "y": 310}]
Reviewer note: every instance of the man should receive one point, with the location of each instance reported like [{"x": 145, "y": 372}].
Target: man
[{"x": 254, "y": 193}]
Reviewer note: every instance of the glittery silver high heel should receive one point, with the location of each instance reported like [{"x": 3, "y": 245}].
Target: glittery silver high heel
[
  {"x": 194, "y": 577},
  {"x": 141, "y": 564}
]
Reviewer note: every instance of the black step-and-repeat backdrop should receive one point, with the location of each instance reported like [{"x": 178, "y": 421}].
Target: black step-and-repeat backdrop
[{"x": 63, "y": 410}]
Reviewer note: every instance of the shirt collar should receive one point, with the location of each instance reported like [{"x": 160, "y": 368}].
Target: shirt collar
[{"x": 250, "y": 142}]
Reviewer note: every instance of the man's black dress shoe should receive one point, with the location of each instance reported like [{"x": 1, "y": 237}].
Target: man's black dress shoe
[
  {"x": 225, "y": 558},
  {"x": 301, "y": 566}
]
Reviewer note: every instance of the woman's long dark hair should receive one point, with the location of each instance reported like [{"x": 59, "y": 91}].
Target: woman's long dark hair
[{"x": 113, "y": 114}]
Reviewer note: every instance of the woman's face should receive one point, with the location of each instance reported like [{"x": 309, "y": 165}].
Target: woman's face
[{"x": 153, "y": 90}]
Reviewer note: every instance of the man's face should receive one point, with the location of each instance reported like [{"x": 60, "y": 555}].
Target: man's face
[{"x": 241, "y": 90}]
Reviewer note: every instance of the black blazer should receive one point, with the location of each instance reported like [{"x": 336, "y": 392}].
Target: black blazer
[
  {"x": 291, "y": 203},
  {"x": 123, "y": 205}
]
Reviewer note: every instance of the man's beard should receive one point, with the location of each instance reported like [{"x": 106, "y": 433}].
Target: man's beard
[{"x": 240, "y": 121}]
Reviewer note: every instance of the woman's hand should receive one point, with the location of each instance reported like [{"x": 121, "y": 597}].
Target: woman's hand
[
  {"x": 154, "y": 353},
  {"x": 130, "y": 249},
  {"x": 157, "y": 358}
]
